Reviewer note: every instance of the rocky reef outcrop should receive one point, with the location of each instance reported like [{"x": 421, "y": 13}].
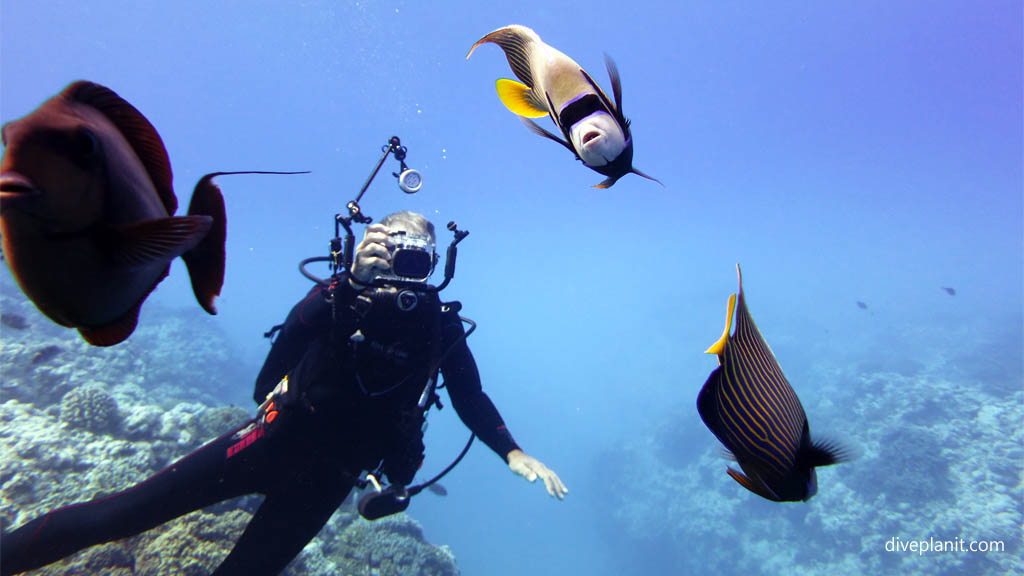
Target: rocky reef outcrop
[{"x": 78, "y": 422}]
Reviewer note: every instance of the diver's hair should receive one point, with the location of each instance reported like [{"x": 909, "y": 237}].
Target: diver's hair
[{"x": 411, "y": 220}]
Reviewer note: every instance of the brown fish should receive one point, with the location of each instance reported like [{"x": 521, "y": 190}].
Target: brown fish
[{"x": 87, "y": 214}]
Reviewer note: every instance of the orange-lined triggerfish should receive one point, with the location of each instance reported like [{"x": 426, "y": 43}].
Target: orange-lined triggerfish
[
  {"x": 594, "y": 127},
  {"x": 87, "y": 213},
  {"x": 751, "y": 408}
]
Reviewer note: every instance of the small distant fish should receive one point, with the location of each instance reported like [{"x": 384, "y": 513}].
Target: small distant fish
[
  {"x": 862, "y": 305},
  {"x": 87, "y": 214},
  {"x": 750, "y": 407},
  {"x": 438, "y": 489},
  {"x": 594, "y": 127},
  {"x": 950, "y": 291},
  {"x": 12, "y": 320},
  {"x": 46, "y": 354}
]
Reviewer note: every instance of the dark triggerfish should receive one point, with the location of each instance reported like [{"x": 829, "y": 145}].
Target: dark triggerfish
[
  {"x": 751, "y": 408},
  {"x": 554, "y": 85},
  {"x": 87, "y": 214}
]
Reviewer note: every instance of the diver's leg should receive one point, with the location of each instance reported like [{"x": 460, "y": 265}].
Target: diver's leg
[
  {"x": 200, "y": 479},
  {"x": 290, "y": 516}
]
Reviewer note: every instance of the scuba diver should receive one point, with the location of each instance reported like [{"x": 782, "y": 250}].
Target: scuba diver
[{"x": 344, "y": 390}]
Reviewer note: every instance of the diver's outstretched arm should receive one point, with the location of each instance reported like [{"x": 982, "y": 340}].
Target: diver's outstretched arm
[{"x": 530, "y": 468}]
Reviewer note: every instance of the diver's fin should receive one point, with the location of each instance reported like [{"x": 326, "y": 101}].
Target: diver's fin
[
  {"x": 520, "y": 99},
  {"x": 137, "y": 130},
  {"x": 533, "y": 127},
  {"x": 719, "y": 346},
  {"x": 154, "y": 240},
  {"x": 115, "y": 332}
]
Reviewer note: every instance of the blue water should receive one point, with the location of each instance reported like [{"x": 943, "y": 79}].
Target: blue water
[{"x": 840, "y": 152}]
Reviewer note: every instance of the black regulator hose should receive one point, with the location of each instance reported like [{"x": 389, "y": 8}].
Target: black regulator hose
[{"x": 310, "y": 275}]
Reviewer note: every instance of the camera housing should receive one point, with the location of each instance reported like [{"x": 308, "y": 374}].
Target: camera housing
[{"x": 412, "y": 257}]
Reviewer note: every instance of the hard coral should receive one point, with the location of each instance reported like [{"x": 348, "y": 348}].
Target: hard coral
[{"x": 90, "y": 408}]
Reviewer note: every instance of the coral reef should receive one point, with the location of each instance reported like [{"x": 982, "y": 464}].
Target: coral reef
[
  {"x": 66, "y": 436},
  {"x": 391, "y": 546},
  {"x": 192, "y": 545},
  {"x": 90, "y": 408}
]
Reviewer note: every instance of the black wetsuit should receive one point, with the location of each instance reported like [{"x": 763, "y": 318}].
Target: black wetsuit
[{"x": 352, "y": 407}]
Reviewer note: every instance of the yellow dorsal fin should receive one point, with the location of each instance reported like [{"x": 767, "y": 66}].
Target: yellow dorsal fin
[
  {"x": 518, "y": 98},
  {"x": 719, "y": 346}
]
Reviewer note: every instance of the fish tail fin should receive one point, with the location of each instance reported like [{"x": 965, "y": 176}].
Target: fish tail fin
[
  {"x": 516, "y": 42},
  {"x": 520, "y": 99},
  {"x": 205, "y": 262},
  {"x": 719, "y": 344}
]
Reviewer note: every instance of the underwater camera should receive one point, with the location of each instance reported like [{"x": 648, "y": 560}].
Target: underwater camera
[{"x": 412, "y": 257}]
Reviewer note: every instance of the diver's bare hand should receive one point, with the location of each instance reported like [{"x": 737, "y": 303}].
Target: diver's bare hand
[
  {"x": 372, "y": 256},
  {"x": 530, "y": 468}
]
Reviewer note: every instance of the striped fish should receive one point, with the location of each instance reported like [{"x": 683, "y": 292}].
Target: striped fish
[
  {"x": 554, "y": 85},
  {"x": 750, "y": 407}
]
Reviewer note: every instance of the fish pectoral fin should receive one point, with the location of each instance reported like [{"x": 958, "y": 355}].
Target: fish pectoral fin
[
  {"x": 533, "y": 127},
  {"x": 160, "y": 239},
  {"x": 520, "y": 99},
  {"x": 115, "y": 332},
  {"x": 707, "y": 404},
  {"x": 754, "y": 485},
  {"x": 826, "y": 453},
  {"x": 719, "y": 346},
  {"x": 639, "y": 173},
  {"x": 613, "y": 76}
]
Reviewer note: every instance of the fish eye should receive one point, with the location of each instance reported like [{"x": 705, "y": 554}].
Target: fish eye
[
  {"x": 80, "y": 147},
  {"x": 85, "y": 143}
]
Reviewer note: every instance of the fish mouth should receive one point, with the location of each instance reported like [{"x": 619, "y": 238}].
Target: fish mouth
[
  {"x": 14, "y": 188},
  {"x": 591, "y": 136}
]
